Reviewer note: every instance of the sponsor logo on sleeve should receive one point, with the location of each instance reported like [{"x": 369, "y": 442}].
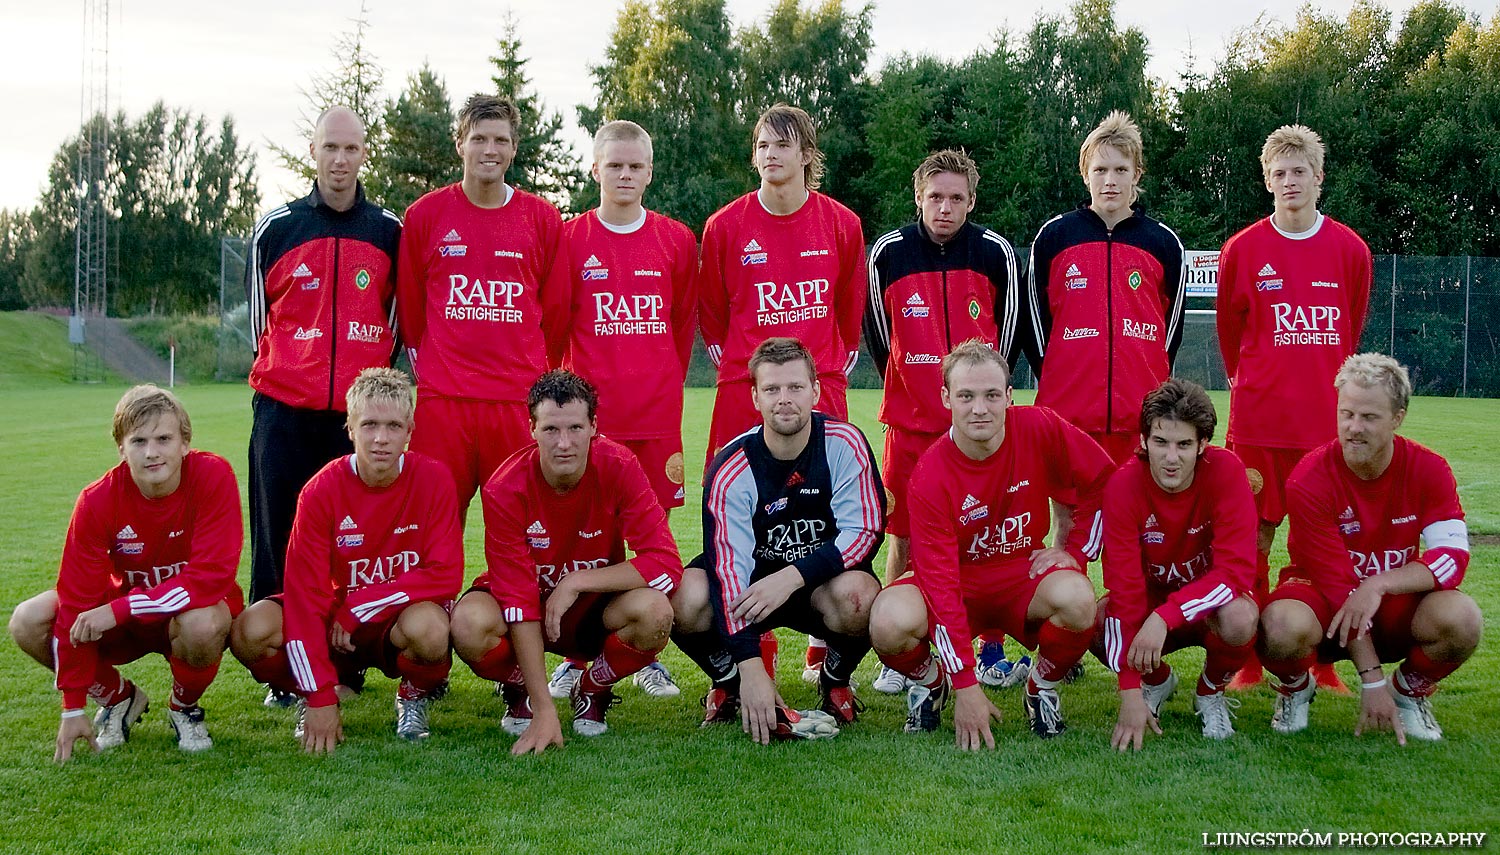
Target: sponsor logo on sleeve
[
  {"x": 1074, "y": 333},
  {"x": 923, "y": 359},
  {"x": 307, "y": 334}
]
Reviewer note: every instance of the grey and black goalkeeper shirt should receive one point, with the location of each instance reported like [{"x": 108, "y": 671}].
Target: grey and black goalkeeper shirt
[{"x": 822, "y": 513}]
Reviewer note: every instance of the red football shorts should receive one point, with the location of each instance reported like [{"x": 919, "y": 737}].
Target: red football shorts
[
  {"x": 902, "y": 450},
  {"x": 735, "y": 413},
  {"x": 1391, "y": 628},
  {"x": 471, "y": 438},
  {"x": 581, "y": 634},
  {"x": 997, "y": 605},
  {"x": 1268, "y": 469},
  {"x": 662, "y": 459},
  {"x": 373, "y": 647}
]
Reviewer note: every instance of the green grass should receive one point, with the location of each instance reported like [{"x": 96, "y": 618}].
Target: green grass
[{"x": 657, "y": 782}]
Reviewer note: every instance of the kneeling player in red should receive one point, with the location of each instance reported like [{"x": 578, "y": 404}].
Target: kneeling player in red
[
  {"x": 1179, "y": 562},
  {"x": 148, "y": 567},
  {"x": 558, "y": 517},
  {"x": 374, "y": 562},
  {"x": 979, "y": 519},
  {"x": 1360, "y": 587},
  {"x": 793, "y": 514}
]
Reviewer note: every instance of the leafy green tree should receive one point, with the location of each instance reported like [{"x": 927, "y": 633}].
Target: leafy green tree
[
  {"x": 545, "y": 163},
  {"x": 17, "y": 233},
  {"x": 174, "y": 185},
  {"x": 417, "y": 154},
  {"x": 671, "y": 67}
]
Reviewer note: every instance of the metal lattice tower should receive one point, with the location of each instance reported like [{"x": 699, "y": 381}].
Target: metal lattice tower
[{"x": 86, "y": 328}]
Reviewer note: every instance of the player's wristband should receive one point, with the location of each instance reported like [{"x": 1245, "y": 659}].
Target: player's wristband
[
  {"x": 1370, "y": 687},
  {"x": 1364, "y": 671}
]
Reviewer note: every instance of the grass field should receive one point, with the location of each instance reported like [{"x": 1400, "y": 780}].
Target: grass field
[{"x": 656, "y": 782}]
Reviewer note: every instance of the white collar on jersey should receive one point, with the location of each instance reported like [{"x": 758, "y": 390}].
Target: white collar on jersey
[
  {"x": 400, "y": 464},
  {"x": 1317, "y": 224},
  {"x": 628, "y": 228}
]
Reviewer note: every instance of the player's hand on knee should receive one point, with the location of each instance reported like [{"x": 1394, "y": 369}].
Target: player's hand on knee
[
  {"x": 92, "y": 624},
  {"x": 1043, "y": 560},
  {"x": 1377, "y": 711},
  {"x": 544, "y": 732},
  {"x": 1145, "y": 651},
  {"x": 1355, "y": 617},
  {"x": 766, "y": 595},
  {"x": 972, "y": 712},
  {"x": 322, "y": 729},
  {"x": 1135, "y": 717},
  {"x": 69, "y": 731}
]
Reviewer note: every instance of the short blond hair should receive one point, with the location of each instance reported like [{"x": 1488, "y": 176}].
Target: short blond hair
[
  {"x": 956, "y": 161},
  {"x": 380, "y": 384},
  {"x": 621, "y": 130},
  {"x": 142, "y": 405},
  {"x": 1377, "y": 371},
  {"x": 975, "y": 351},
  {"x": 1292, "y": 141},
  {"x": 1118, "y": 131}
]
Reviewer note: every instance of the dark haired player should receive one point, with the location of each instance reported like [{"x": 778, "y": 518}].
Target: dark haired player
[
  {"x": 558, "y": 517},
  {"x": 1179, "y": 560}
]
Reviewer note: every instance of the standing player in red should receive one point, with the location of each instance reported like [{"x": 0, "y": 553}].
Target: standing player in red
[
  {"x": 979, "y": 520},
  {"x": 782, "y": 261},
  {"x": 933, "y": 284},
  {"x": 631, "y": 272},
  {"x": 375, "y": 560},
  {"x": 1293, "y": 291},
  {"x": 321, "y": 284},
  {"x": 1360, "y": 585},
  {"x": 1179, "y": 559},
  {"x": 793, "y": 514},
  {"x": 558, "y": 517},
  {"x": 1106, "y": 296},
  {"x": 148, "y": 567},
  {"x": 483, "y": 301}
]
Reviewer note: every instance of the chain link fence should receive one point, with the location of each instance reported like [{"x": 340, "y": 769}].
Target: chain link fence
[{"x": 1438, "y": 315}]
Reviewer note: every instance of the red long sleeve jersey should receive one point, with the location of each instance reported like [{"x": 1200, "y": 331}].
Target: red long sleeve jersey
[
  {"x": 802, "y": 275},
  {"x": 149, "y": 559},
  {"x": 1345, "y": 529},
  {"x": 1290, "y": 310},
  {"x": 631, "y": 333},
  {"x": 321, "y": 285},
  {"x": 358, "y": 553},
  {"x": 481, "y": 295},
  {"x": 1106, "y": 315},
  {"x": 975, "y": 520},
  {"x": 927, "y": 297},
  {"x": 534, "y": 536},
  {"x": 1182, "y": 555}
]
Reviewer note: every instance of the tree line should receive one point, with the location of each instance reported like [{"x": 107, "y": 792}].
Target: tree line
[{"x": 1408, "y": 113}]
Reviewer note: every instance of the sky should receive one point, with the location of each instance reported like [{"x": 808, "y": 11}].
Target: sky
[{"x": 251, "y": 60}]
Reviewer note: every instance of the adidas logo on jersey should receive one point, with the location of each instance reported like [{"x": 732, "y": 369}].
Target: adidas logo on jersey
[
  {"x": 1151, "y": 521},
  {"x": 593, "y": 261},
  {"x": 1348, "y": 513},
  {"x": 1268, "y": 270},
  {"x": 126, "y": 533},
  {"x": 302, "y": 270},
  {"x": 1073, "y": 270},
  {"x": 451, "y": 236},
  {"x": 536, "y": 528},
  {"x": 914, "y": 300},
  {"x": 969, "y": 502},
  {"x": 347, "y": 524},
  {"x": 752, "y": 246}
]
